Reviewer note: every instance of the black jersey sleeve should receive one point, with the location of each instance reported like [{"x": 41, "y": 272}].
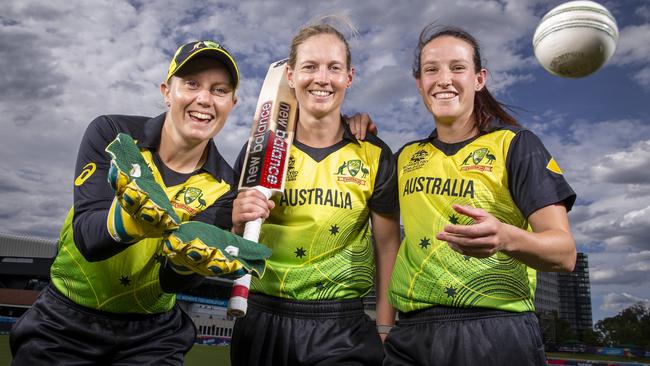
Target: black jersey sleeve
[
  {"x": 92, "y": 193},
  {"x": 384, "y": 196},
  {"x": 532, "y": 184},
  {"x": 172, "y": 282}
]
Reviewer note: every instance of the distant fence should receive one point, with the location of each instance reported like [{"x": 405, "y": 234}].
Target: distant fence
[
  {"x": 212, "y": 341},
  {"x": 606, "y": 351}
]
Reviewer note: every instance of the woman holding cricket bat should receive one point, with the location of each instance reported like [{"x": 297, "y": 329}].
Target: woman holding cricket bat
[
  {"x": 483, "y": 205},
  {"x": 307, "y": 308}
]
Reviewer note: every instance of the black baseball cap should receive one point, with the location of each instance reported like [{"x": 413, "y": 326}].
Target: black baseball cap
[{"x": 206, "y": 48}]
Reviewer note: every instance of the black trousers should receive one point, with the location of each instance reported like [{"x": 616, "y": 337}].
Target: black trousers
[
  {"x": 56, "y": 331},
  {"x": 284, "y": 332},
  {"x": 465, "y": 337}
]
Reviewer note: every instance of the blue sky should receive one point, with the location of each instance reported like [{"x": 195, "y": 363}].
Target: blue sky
[{"x": 65, "y": 62}]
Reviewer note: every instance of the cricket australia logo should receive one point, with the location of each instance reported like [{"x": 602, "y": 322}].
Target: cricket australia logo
[
  {"x": 479, "y": 159},
  {"x": 292, "y": 173},
  {"x": 417, "y": 161},
  {"x": 189, "y": 199},
  {"x": 353, "y": 167}
]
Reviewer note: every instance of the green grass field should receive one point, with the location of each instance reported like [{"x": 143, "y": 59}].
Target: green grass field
[
  {"x": 574, "y": 356},
  {"x": 199, "y": 355}
]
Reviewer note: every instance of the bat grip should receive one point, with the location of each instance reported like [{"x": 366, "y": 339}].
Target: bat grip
[{"x": 238, "y": 302}]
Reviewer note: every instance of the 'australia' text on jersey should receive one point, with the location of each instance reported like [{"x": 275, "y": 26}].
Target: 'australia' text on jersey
[
  {"x": 316, "y": 196},
  {"x": 438, "y": 186}
]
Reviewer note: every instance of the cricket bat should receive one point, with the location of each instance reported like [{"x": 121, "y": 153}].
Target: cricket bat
[{"x": 265, "y": 164}]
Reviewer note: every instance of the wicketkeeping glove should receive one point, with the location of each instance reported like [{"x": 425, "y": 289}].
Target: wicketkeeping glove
[
  {"x": 197, "y": 247},
  {"x": 141, "y": 209}
]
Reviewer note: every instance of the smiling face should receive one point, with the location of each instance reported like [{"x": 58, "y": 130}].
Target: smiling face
[
  {"x": 320, "y": 75},
  {"x": 200, "y": 97},
  {"x": 448, "y": 80}
]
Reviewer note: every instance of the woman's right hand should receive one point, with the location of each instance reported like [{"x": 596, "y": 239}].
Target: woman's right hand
[{"x": 248, "y": 206}]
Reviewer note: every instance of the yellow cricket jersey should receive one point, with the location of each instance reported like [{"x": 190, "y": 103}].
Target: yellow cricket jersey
[
  {"x": 499, "y": 172},
  {"x": 319, "y": 230},
  {"x": 128, "y": 281}
]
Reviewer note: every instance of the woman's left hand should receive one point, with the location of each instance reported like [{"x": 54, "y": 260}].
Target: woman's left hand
[{"x": 482, "y": 239}]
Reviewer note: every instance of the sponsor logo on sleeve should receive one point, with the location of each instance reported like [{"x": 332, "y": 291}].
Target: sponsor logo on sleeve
[{"x": 86, "y": 173}]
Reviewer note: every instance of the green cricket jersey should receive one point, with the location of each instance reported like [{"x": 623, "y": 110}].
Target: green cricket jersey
[{"x": 319, "y": 230}]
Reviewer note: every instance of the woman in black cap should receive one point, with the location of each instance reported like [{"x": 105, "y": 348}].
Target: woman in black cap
[{"x": 111, "y": 298}]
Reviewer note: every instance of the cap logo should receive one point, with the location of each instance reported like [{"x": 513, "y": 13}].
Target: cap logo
[
  {"x": 198, "y": 46},
  {"x": 205, "y": 44}
]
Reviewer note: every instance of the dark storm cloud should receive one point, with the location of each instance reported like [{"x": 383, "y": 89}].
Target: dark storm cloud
[
  {"x": 27, "y": 69},
  {"x": 7, "y": 186}
]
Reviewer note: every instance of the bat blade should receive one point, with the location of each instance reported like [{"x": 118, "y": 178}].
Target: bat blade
[
  {"x": 272, "y": 133},
  {"x": 265, "y": 164}
]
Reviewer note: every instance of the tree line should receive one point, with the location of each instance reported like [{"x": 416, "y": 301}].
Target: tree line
[{"x": 629, "y": 328}]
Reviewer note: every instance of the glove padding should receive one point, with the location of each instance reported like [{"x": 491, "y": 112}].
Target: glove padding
[
  {"x": 141, "y": 208},
  {"x": 197, "y": 247}
]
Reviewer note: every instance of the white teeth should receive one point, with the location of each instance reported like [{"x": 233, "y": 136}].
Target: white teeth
[
  {"x": 445, "y": 95},
  {"x": 320, "y": 93},
  {"x": 200, "y": 115}
]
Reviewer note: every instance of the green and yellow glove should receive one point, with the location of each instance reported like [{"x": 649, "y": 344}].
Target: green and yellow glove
[
  {"x": 141, "y": 209},
  {"x": 196, "y": 247}
]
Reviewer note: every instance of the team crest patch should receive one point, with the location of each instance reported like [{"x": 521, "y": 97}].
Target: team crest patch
[
  {"x": 352, "y": 171},
  {"x": 192, "y": 194},
  {"x": 417, "y": 161},
  {"x": 292, "y": 173},
  {"x": 479, "y": 159},
  {"x": 189, "y": 199}
]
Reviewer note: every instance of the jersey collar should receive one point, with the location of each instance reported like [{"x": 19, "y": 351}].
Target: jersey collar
[
  {"x": 493, "y": 125},
  {"x": 347, "y": 133}
]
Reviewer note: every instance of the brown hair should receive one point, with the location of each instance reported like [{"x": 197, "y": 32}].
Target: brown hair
[
  {"x": 486, "y": 107},
  {"x": 314, "y": 30}
]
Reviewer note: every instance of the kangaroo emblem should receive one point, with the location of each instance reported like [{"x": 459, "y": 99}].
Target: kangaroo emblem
[
  {"x": 467, "y": 158},
  {"x": 341, "y": 168}
]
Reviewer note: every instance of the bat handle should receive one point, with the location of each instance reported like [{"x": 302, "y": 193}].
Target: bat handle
[{"x": 238, "y": 303}]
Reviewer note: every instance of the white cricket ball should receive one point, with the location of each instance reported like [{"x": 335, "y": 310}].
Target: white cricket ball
[{"x": 575, "y": 39}]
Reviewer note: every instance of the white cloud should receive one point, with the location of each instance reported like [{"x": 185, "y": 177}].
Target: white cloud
[
  {"x": 619, "y": 301},
  {"x": 616, "y": 266},
  {"x": 633, "y": 49},
  {"x": 631, "y": 166},
  {"x": 633, "y": 45},
  {"x": 642, "y": 77}
]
